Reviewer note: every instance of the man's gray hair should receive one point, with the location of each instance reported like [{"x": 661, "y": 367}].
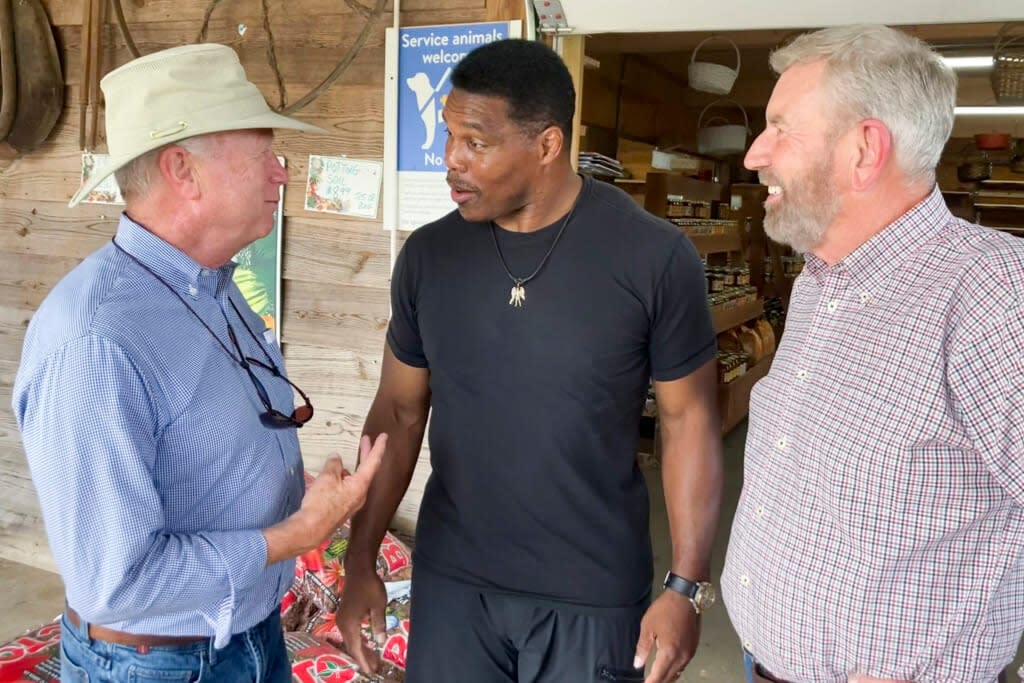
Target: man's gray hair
[
  {"x": 876, "y": 72},
  {"x": 136, "y": 177}
]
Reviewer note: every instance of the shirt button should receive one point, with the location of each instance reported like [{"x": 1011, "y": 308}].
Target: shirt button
[
  {"x": 744, "y": 580},
  {"x": 759, "y": 511},
  {"x": 802, "y": 375},
  {"x": 865, "y": 297},
  {"x": 193, "y": 291},
  {"x": 832, "y": 306},
  {"x": 781, "y": 444},
  {"x": 747, "y": 646}
]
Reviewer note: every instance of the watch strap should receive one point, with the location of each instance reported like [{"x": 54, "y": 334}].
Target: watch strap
[{"x": 680, "y": 585}]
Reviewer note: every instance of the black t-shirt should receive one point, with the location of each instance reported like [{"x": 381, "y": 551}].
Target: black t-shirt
[{"x": 535, "y": 410}]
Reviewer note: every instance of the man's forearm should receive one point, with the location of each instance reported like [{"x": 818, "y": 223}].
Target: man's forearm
[
  {"x": 405, "y": 437},
  {"x": 692, "y": 480}
]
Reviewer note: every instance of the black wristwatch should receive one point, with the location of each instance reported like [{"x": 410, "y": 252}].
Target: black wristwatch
[{"x": 701, "y": 594}]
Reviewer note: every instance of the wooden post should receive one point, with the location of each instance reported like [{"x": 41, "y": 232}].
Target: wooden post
[
  {"x": 506, "y": 10},
  {"x": 571, "y": 49}
]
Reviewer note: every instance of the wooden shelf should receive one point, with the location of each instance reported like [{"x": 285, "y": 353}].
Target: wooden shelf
[
  {"x": 734, "y": 397},
  {"x": 712, "y": 244},
  {"x": 727, "y": 316},
  {"x": 779, "y": 288},
  {"x": 661, "y": 184}
]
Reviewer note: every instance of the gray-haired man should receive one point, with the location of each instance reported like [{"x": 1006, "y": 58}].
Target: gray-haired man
[{"x": 880, "y": 531}]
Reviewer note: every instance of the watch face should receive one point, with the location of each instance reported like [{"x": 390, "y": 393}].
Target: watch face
[{"x": 705, "y": 596}]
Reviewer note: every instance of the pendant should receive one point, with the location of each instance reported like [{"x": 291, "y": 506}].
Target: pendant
[{"x": 518, "y": 294}]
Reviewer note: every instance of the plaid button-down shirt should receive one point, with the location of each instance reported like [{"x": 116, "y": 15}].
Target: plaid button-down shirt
[{"x": 881, "y": 525}]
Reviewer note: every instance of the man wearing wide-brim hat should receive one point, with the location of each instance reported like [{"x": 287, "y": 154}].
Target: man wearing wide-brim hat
[{"x": 157, "y": 418}]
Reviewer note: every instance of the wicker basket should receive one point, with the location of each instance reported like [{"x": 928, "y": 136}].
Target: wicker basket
[
  {"x": 1008, "y": 65},
  {"x": 711, "y": 77},
  {"x": 722, "y": 140}
]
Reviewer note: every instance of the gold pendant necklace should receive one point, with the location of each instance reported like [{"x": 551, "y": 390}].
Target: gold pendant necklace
[{"x": 517, "y": 296}]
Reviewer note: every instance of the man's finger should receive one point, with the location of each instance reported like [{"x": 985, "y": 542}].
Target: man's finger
[
  {"x": 370, "y": 458},
  {"x": 378, "y": 625},
  {"x": 662, "y": 667},
  {"x": 352, "y": 638},
  {"x": 333, "y": 466},
  {"x": 643, "y": 647}
]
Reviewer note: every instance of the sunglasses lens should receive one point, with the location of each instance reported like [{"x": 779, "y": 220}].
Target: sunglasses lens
[
  {"x": 276, "y": 420},
  {"x": 303, "y": 414}
]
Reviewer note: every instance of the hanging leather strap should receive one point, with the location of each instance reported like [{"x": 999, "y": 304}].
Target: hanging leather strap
[{"x": 8, "y": 69}]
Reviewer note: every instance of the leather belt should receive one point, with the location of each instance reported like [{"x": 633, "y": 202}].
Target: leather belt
[{"x": 140, "y": 642}]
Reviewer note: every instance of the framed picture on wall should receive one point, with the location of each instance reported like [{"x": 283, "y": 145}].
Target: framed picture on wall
[{"x": 258, "y": 271}]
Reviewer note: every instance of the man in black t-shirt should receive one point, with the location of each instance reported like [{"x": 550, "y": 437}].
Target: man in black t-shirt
[{"x": 527, "y": 324}]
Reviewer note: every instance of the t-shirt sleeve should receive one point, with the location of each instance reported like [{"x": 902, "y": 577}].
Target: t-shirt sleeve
[
  {"x": 403, "y": 330},
  {"x": 682, "y": 334}
]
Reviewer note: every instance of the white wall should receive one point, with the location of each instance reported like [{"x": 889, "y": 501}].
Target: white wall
[{"x": 622, "y": 16}]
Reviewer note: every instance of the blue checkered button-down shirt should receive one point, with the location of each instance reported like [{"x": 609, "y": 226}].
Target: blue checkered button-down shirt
[
  {"x": 881, "y": 526},
  {"x": 154, "y": 474}
]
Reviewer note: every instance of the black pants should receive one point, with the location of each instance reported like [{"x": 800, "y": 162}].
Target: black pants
[{"x": 461, "y": 634}]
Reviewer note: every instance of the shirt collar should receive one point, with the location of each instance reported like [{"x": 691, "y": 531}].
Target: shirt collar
[
  {"x": 870, "y": 266},
  {"x": 171, "y": 264}
]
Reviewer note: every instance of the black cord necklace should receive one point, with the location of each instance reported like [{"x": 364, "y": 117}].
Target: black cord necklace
[
  {"x": 241, "y": 360},
  {"x": 518, "y": 294},
  {"x": 271, "y": 417}
]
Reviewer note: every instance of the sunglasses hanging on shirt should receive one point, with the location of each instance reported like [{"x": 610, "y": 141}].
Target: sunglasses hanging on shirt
[{"x": 271, "y": 417}]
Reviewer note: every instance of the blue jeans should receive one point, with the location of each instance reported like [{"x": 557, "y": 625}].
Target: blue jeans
[
  {"x": 748, "y": 666},
  {"x": 255, "y": 656}
]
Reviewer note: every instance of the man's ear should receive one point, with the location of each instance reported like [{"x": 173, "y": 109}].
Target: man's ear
[
  {"x": 551, "y": 143},
  {"x": 872, "y": 153},
  {"x": 178, "y": 170}
]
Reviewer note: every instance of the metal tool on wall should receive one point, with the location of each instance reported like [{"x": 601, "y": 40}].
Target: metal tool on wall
[
  {"x": 30, "y": 77},
  {"x": 92, "y": 54},
  {"x": 371, "y": 15}
]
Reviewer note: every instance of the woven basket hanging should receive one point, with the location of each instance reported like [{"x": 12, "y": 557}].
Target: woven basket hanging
[
  {"x": 711, "y": 77},
  {"x": 1008, "y": 64},
  {"x": 722, "y": 140}
]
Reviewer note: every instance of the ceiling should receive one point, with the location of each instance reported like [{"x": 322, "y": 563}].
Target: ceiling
[
  {"x": 671, "y": 53},
  {"x": 947, "y": 37}
]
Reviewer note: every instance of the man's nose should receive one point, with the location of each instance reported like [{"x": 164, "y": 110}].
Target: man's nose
[
  {"x": 758, "y": 155},
  {"x": 453, "y": 159}
]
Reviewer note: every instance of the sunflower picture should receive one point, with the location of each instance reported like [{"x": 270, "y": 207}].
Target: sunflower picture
[{"x": 258, "y": 272}]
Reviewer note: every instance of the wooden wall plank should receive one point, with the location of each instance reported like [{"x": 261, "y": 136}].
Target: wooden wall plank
[
  {"x": 334, "y": 250},
  {"x": 333, "y": 316},
  {"x": 422, "y": 12},
  {"x": 26, "y": 279},
  {"x": 505, "y": 10},
  {"x": 53, "y": 229}
]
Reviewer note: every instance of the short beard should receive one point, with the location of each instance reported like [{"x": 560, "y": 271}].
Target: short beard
[{"x": 801, "y": 219}]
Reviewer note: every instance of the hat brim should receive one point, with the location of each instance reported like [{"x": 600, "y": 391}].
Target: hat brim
[{"x": 265, "y": 120}]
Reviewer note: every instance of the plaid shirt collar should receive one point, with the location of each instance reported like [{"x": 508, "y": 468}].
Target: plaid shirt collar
[{"x": 870, "y": 266}]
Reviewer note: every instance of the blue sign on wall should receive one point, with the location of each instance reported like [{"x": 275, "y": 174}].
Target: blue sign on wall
[{"x": 426, "y": 57}]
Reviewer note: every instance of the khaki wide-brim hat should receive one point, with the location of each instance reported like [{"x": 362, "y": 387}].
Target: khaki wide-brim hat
[{"x": 175, "y": 94}]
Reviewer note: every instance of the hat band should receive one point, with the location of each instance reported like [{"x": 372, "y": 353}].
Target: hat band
[{"x": 224, "y": 116}]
